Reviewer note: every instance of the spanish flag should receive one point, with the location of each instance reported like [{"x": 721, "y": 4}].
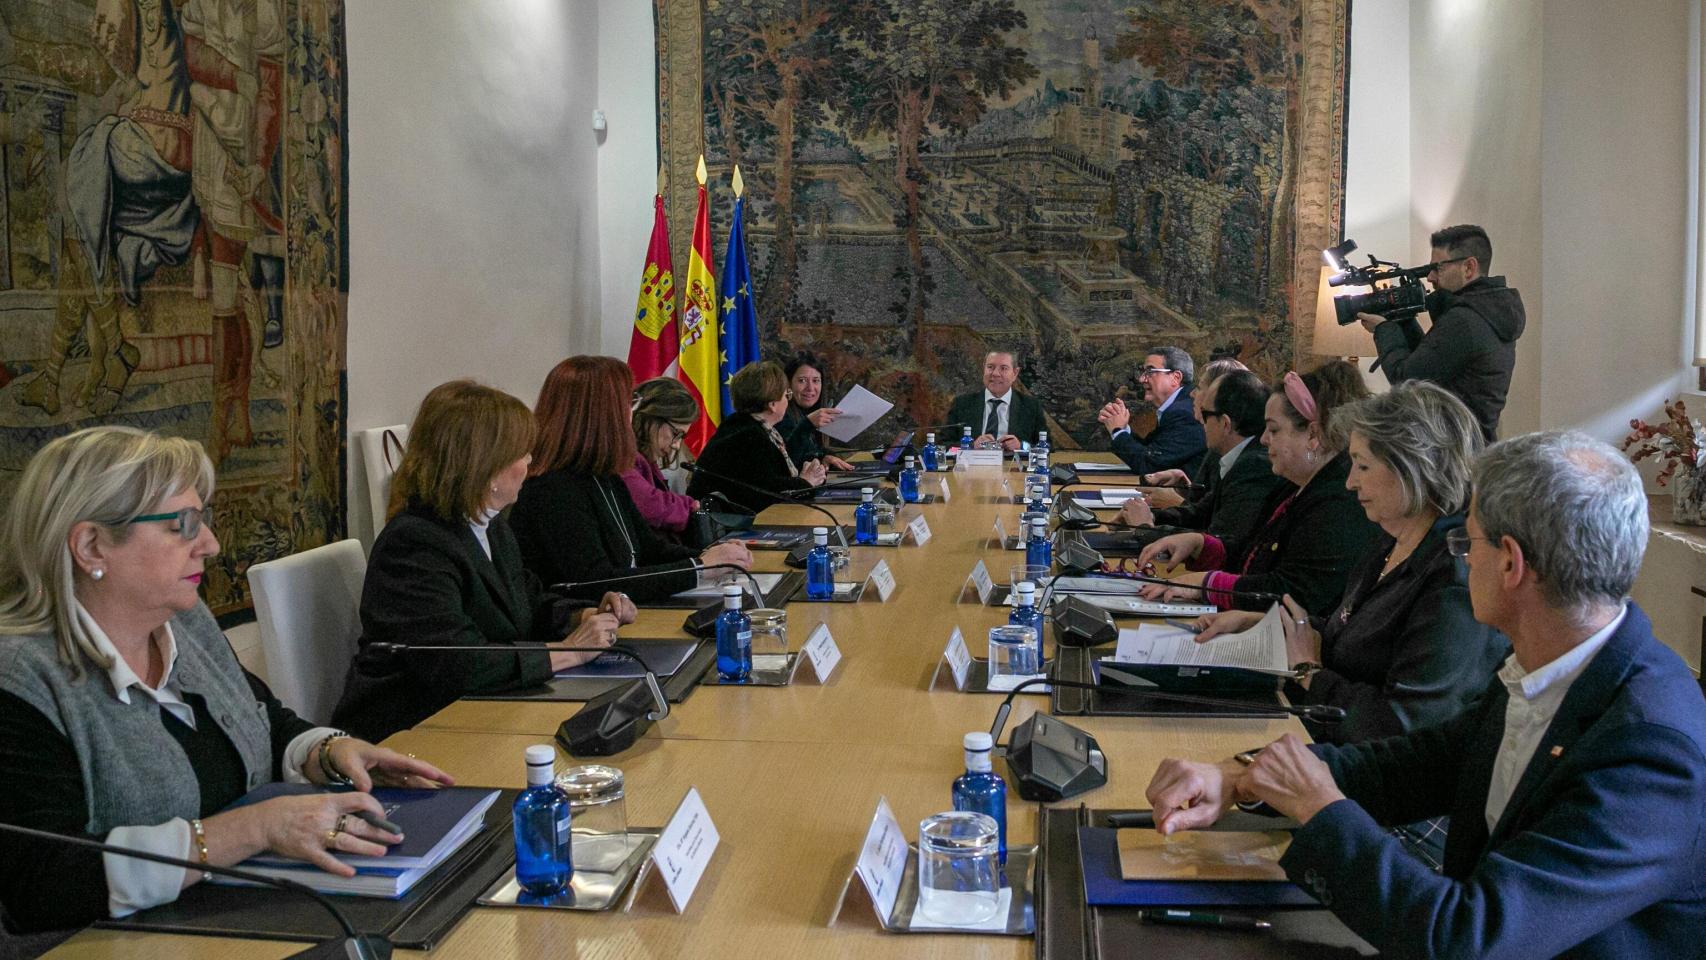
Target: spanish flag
[
  {"x": 700, "y": 332},
  {"x": 657, "y": 336}
]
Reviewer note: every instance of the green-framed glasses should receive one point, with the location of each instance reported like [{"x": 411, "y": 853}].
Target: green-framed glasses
[{"x": 190, "y": 520}]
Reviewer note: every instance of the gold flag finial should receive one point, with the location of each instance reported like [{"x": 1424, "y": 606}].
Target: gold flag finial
[
  {"x": 702, "y": 170},
  {"x": 739, "y": 185},
  {"x": 663, "y": 180}
]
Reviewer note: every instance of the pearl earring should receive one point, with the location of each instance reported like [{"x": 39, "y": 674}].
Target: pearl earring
[{"x": 97, "y": 573}]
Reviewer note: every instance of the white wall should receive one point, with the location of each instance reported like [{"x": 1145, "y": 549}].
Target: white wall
[{"x": 473, "y": 200}]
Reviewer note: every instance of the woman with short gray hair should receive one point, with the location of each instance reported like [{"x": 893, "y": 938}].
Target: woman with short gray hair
[
  {"x": 124, "y": 715},
  {"x": 1402, "y": 649}
]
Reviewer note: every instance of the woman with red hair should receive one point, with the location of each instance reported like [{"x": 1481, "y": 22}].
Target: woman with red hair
[{"x": 575, "y": 520}]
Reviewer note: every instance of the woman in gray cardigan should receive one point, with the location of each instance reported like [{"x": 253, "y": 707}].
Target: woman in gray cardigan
[{"x": 124, "y": 715}]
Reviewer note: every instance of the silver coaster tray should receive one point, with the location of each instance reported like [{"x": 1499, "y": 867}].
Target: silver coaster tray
[
  {"x": 768, "y": 670},
  {"x": 588, "y": 890},
  {"x": 977, "y": 681},
  {"x": 1021, "y": 913}
]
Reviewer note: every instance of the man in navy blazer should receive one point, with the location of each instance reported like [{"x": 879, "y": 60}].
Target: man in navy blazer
[
  {"x": 1576, "y": 785},
  {"x": 1177, "y": 440}
]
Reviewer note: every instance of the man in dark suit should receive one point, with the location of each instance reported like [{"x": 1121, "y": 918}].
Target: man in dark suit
[
  {"x": 999, "y": 413},
  {"x": 1177, "y": 440},
  {"x": 1575, "y": 784},
  {"x": 1231, "y": 417}
]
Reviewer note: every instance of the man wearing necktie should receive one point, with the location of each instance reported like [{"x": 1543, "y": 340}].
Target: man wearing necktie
[{"x": 998, "y": 413}]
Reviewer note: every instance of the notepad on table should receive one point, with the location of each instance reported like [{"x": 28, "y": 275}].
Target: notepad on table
[{"x": 662, "y": 657}]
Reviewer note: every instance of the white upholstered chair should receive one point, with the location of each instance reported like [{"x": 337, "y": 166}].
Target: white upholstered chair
[
  {"x": 307, "y": 606},
  {"x": 381, "y": 452}
]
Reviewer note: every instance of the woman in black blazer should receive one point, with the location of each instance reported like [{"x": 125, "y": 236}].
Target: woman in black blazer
[
  {"x": 747, "y": 448},
  {"x": 575, "y": 520},
  {"x": 1311, "y": 534},
  {"x": 1403, "y": 649},
  {"x": 807, "y": 413},
  {"x": 446, "y": 571}
]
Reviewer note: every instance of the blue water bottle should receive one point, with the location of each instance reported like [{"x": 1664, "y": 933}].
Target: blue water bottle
[
  {"x": 1041, "y": 447},
  {"x": 1038, "y": 551},
  {"x": 1026, "y": 614},
  {"x": 909, "y": 480},
  {"x": 965, "y": 439},
  {"x": 820, "y": 567},
  {"x": 543, "y": 864},
  {"x": 930, "y": 455},
  {"x": 980, "y": 789},
  {"x": 1039, "y": 464},
  {"x": 734, "y": 638},
  {"x": 865, "y": 517}
]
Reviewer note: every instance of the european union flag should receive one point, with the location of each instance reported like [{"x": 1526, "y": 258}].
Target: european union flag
[{"x": 739, "y": 317}]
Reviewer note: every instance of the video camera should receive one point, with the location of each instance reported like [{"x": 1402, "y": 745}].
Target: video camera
[{"x": 1402, "y": 298}]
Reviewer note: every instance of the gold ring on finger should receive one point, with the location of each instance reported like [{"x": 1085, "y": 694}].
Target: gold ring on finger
[{"x": 331, "y": 839}]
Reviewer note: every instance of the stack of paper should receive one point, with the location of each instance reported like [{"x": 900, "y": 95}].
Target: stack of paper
[{"x": 1107, "y": 498}]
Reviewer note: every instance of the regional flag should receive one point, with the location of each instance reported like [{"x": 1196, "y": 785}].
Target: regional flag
[
  {"x": 657, "y": 337},
  {"x": 700, "y": 333},
  {"x": 739, "y": 319}
]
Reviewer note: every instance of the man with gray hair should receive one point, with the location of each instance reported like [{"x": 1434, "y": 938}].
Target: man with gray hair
[
  {"x": 1576, "y": 784},
  {"x": 1177, "y": 440}
]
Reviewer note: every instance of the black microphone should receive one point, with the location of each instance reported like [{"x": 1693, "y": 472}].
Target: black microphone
[
  {"x": 351, "y": 946},
  {"x": 752, "y": 581},
  {"x": 694, "y": 467},
  {"x": 605, "y": 725}
]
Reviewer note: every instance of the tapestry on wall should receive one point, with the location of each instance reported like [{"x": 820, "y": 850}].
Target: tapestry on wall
[
  {"x": 173, "y": 248},
  {"x": 930, "y": 178}
]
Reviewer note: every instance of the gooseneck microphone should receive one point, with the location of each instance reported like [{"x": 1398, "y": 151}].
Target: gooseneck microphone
[
  {"x": 351, "y": 946},
  {"x": 834, "y": 524},
  {"x": 1318, "y": 712},
  {"x": 606, "y": 725},
  {"x": 752, "y": 581}
]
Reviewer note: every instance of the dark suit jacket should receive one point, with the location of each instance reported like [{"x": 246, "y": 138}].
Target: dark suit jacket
[
  {"x": 1600, "y": 853},
  {"x": 575, "y": 526},
  {"x": 1176, "y": 441},
  {"x": 429, "y": 583},
  {"x": 1024, "y": 421},
  {"x": 741, "y": 449},
  {"x": 1231, "y": 507},
  {"x": 1403, "y": 651},
  {"x": 1309, "y": 549},
  {"x": 803, "y": 440}
]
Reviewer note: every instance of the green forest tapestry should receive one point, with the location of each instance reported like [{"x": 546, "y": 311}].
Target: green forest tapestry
[
  {"x": 1076, "y": 180},
  {"x": 173, "y": 248}
]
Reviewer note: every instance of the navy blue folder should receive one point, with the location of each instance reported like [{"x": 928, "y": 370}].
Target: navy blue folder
[{"x": 1098, "y": 850}]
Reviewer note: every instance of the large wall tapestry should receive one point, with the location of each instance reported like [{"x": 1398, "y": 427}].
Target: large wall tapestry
[
  {"x": 928, "y": 178},
  {"x": 173, "y": 249}
]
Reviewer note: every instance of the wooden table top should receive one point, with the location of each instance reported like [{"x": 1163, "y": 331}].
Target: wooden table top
[{"x": 791, "y": 776}]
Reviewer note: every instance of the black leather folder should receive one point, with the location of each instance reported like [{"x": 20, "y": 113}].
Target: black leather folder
[
  {"x": 677, "y": 686},
  {"x": 1068, "y": 928},
  {"x": 417, "y": 921},
  {"x": 1073, "y": 663}
]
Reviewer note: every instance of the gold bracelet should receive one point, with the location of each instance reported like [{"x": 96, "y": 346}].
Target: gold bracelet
[{"x": 200, "y": 837}]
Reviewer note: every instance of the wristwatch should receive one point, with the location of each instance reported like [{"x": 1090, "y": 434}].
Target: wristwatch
[
  {"x": 334, "y": 777},
  {"x": 1305, "y": 669}
]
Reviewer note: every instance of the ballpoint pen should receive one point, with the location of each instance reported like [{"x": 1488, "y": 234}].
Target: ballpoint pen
[
  {"x": 1182, "y": 625},
  {"x": 1193, "y": 918}
]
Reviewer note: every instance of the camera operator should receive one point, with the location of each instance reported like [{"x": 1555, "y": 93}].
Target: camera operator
[{"x": 1471, "y": 347}]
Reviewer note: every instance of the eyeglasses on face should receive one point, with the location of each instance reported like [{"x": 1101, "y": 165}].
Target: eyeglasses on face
[
  {"x": 1153, "y": 371},
  {"x": 1458, "y": 541},
  {"x": 189, "y": 520},
  {"x": 676, "y": 434}
]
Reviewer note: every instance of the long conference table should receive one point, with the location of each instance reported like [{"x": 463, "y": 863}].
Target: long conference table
[{"x": 790, "y": 775}]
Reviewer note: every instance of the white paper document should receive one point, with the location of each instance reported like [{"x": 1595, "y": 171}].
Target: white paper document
[
  {"x": 1262, "y": 647},
  {"x": 1110, "y": 497},
  {"x": 1097, "y": 466},
  {"x": 859, "y": 409},
  {"x": 766, "y": 582}
]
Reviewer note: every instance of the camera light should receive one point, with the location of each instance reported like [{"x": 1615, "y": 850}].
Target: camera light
[{"x": 1335, "y": 256}]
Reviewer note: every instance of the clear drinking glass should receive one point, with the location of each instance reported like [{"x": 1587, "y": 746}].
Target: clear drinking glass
[
  {"x": 769, "y": 631},
  {"x": 1012, "y": 653},
  {"x": 1020, "y": 572},
  {"x": 959, "y": 878},
  {"x": 598, "y": 819},
  {"x": 885, "y": 513}
]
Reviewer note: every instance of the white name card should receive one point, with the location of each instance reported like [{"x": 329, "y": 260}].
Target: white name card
[
  {"x": 1007, "y": 492},
  {"x": 821, "y": 650},
  {"x": 882, "y": 860},
  {"x": 920, "y": 530},
  {"x": 883, "y": 577},
  {"x": 684, "y": 848},
  {"x": 959, "y": 658},
  {"x": 981, "y": 582},
  {"x": 944, "y": 482},
  {"x": 982, "y": 458},
  {"x": 1000, "y": 533}
]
